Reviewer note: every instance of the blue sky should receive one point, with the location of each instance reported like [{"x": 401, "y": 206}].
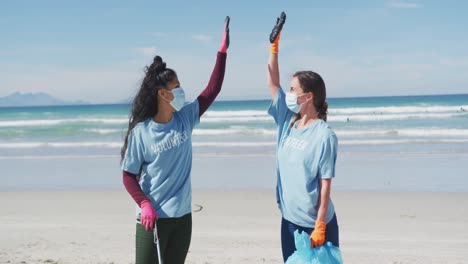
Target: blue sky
[{"x": 96, "y": 50}]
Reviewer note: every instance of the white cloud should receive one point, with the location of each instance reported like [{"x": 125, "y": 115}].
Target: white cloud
[
  {"x": 403, "y": 5},
  {"x": 146, "y": 51},
  {"x": 454, "y": 62},
  {"x": 157, "y": 34},
  {"x": 202, "y": 38}
]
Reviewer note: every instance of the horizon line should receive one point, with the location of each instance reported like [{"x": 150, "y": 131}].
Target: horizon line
[{"x": 234, "y": 100}]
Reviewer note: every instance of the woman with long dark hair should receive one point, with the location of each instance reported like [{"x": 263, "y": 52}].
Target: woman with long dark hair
[
  {"x": 306, "y": 154},
  {"x": 157, "y": 157}
]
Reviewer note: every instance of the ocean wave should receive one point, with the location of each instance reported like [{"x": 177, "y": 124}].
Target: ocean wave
[
  {"x": 353, "y": 110},
  {"x": 22, "y": 123},
  {"x": 103, "y": 131},
  {"x": 247, "y": 131},
  {"x": 22, "y": 145},
  {"x": 71, "y": 145},
  {"x": 399, "y": 141},
  {"x": 233, "y": 144},
  {"x": 240, "y": 113},
  {"x": 422, "y": 132},
  {"x": 233, "y": 131},
  {"x": 236, "y": 119},
  {"x": 399, "y": 109},
  {"x": 388, "y": 117},
  {"x": 241, "y": 117},
  {"x": 340, "y": 118},
  {"x": 55, "y": 122}
]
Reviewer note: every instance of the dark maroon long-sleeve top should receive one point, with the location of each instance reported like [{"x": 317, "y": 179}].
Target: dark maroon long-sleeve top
[
  {"x": 205, "y": 99},
  {"x": 208, "y": 95}
]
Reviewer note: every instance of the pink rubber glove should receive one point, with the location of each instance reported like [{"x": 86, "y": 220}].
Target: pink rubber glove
[
  {"x": 148, "y": 215},
  {"x": 225, "y": 40}
]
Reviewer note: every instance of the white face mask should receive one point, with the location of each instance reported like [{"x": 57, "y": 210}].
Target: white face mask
[
  {"x": 291, "y": 102},
  {"x": 179, "y": 98}
]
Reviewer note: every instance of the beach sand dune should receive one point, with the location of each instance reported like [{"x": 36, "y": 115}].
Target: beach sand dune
[{"x": 233, "y": 227}]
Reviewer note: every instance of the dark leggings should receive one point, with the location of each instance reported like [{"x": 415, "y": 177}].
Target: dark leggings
[
  {"x": 287, "y": 235},
  {"x": 174, "y": 240}
]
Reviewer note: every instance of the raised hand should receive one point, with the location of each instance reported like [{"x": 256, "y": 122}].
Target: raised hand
[
  {"x": 273, "y": 67},
  {"x": 225, "y": 39},
  {"x": 276, "y": 32}
]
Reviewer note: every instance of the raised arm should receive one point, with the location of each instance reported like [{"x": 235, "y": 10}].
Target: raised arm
[
  {"x": 208, "y": 95},
  {"x": 273, "y": 67}
]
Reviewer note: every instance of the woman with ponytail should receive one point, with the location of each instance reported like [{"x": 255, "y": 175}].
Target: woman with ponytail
[
  {"x": 306, "y": 154},
  {"x": 157, "y": 157}
]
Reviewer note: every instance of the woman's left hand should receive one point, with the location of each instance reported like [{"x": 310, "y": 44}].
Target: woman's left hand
[
  {"x": 317, "y": 238},
  {"x": 225, "y": 40}
]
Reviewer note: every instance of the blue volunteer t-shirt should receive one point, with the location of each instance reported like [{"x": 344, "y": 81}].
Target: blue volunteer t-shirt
[
  {"x": 304, "y": 157},
  {"x": 164, "y": 154}
]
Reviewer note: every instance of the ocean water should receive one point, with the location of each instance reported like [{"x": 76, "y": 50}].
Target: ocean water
[{"x": 385, "y": 143}]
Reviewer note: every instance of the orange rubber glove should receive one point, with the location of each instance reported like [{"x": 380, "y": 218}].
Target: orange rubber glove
[
  {"x": 276, "y": 32},
  {"x": 274, "y": 47},
  {"x": 317, "y": 238}
]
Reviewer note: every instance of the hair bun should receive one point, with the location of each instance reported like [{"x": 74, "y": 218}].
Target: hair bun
[
  {"x": 157, "y": 59},
  {"x": 158, "y": 65}
]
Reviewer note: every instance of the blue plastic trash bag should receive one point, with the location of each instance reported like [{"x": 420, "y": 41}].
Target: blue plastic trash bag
[{"x": 326, "y": 254}]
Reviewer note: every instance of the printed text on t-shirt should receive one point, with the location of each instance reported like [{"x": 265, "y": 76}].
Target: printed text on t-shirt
[
  {"x": 170, "y": 142},
  {"x": 294, "y": 143}
]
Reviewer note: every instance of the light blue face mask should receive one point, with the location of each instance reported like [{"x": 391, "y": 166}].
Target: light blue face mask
[
  {"x": 179, "y": 98},
  {"x": 291, "y": 102}
]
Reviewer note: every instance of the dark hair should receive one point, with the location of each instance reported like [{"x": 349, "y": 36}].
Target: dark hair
[
  {"x": 145, "y": 103},
  {"x": 313, "y": 82}
]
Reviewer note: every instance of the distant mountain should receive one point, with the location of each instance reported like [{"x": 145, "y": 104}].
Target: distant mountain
[
  {"x": 125, "y": 101},
  {"x": 34, "y": 99}
]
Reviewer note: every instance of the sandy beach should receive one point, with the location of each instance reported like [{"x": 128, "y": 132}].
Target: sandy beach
[{"x": 233, "y": 227}]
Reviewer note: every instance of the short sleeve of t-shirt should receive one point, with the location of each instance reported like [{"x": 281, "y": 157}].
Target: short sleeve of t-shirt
[
  {"x": 278, "y": 108},
  {"x": 328, "y": 157},
  {"x": 134, "y": 156},
  {"x": 190, "y": 113}
]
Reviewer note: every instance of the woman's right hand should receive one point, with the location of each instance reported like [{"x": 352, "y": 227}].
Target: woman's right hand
[
  {"x": 273, "y": 67},
  {"x": 225, "y": 39},
  {"x": 276, "y": 32},
  {"x": 148, "y": 215}
]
